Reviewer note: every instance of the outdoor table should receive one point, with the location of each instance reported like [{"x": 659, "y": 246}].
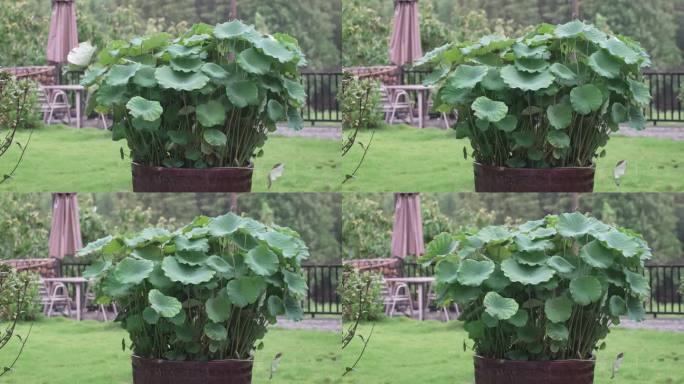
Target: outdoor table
[
  {"x": 419, "y": 282},
  {"x": 79, "y": 284},
  {"x": 422, "y": 92},
  {"x": 78, "y": 90}
]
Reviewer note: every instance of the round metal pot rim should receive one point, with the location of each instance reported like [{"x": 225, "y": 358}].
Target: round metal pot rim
[
  {"x": 593, "y": 358},
  {"x": 158, "y": 168},
  {"x": 501, "y": 168},
  {"x": 251, "y": 359}
]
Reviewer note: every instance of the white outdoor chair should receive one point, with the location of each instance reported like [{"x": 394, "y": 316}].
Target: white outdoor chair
[
  {"x": 432, "y": 297},
  {"x": 90, "y": 299},
  {"x": 391, "y": 103},
  {"x": 51, "y": 102},
  {"x": 393, "y": 294},
  {"x": 444, "y": 117},
  {"x": 59, "y": 294}
]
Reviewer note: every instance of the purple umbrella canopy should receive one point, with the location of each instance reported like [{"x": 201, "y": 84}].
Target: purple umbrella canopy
[
  {"x": 405, "y": 42},
  {"x": 63, "y": 35},
  {"x": 65, "y": 233},
  {"x": 407, "y": 235}
]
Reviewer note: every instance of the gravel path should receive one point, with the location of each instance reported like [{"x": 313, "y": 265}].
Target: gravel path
[
  {"x": 326, "y": 133},
  {"x": 672, "y": 133},
  {"x": 657, "y": 324},
  {"x": 315, "y": 324}
]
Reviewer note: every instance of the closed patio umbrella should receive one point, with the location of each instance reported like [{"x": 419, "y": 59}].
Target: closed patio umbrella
[
  {"x": 65, "y": 233},
  {"x": 407, "y": 235},
  {"x": 405, "y": 42},
  {"x": 63, "y": 35}
]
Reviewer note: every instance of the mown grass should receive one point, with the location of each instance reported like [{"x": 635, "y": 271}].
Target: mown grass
[
  {"x": 404, "y": 351},
  {"x": 63, "y": 159},
  {"x": 61, "y": 351},
  {"x": 407, "y": 159}
]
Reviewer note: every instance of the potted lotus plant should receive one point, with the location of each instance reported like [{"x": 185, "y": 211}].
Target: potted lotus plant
[
  {"x": 197, "y": 109},
  {"x": 538, "y": 299},
  {"x": 197, "y": 301},
  {"x": 539, "y": 109}
]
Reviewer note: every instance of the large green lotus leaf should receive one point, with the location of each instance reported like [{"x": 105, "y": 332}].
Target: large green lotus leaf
[
  {"x": 147, "y": 236},
  {"x": 275, "y": 111},
  {"x": 262, "y": 261},
  {"x": 289, "y": 246},
  {"x": 596, "y": 255},
  {"x": 294, "y": 119},
  {"x": 618, "y": 241},
  {"x": 473, "y": 273},
  {"x": 144, "y": 109},
  {"x": 526, "y": 274},
  {"x": 177, "y": 50},
  {"x": 274, "y": 49},
  {"x": 638, "y": 283},
  {"x": 571, "y": 29},
  {"x": 133, "y": 271},
  {"x": 275, "y": 306},
  {"x": 214, "y": 137},
  {"x": 526, "y": 81},
  {"x": 120, "y": 74},
  {"x": 499, "y": 307},
  {"x": 640, "y": 91},
  {"x": 462, "y": 294},
  {"x": 293, "y": 309},
  {"x": 166, "y": 306},
  {"x": 243, "y": 93},
  {"x": 524, "y": 51},
  {"x": 143, "y": 125},
  {"x": 158, "y": 279},
  {"x": 605, "y": 64},
  {"x": 489, "y": 110},
  {"x": 235, "y": 29},
  {"x": 531, "y": 65},
  {"x": 520, "y": 318},
  {"x": 467, "y": 76},
  {"x": 560, "y": 264},
  {"x": 531, "y": 258},
  {"x": 493, "y": 80},
  {"x": 436, "y": 76},
  {"x": 635, "y": 309},
  {"x": 186, "y": 64},
  {"x": 497, "y": 281},
  {"x": 113, "y": 288},
  {"x": 150, "y": 315},
  {"x": 109, "y": 96},
  {"x": 507, "y": 124},
  {"x": 211, "y": 113},
  {"x": 295, "y": 90},
  {"x": 586, "y": 99},
  {"x": 295, "y": 283},
  {"x": 145, "y": 77},
  {"x": 574, "y": 224},
  {"x": 523, "y": 140},
  {"x": 531, "y": 225},
  {"x": 218, "y": 307},
  {"x": 216, "y": 332},
  {"x": 191, "y": 257},
  {"x": 619, "y": 49},
  {"x": 180, "y": 81},
  {"x": 557, "y": 331},
  {"x": 224, "y": 225},
  {"x": 219, "y": 264},
  {"x": 253, "y": 61},
  {"x": 447, "y": 271},
  {"x": 526, "y": 244},
  {"x": 617, "y": 306},
  {"x": 585, "y": 290},
  {"x": 619, "y": 113},
  {"x": 96, "y": 269},
  {"x": 442, "y": 245},
  {"x": 476, "y": 329},
  {"x": 542, "y": 233},
  {"x": 454, "y": 96},
  {"x": 558, "y": 309},
  {"x": 637, "y": 120},
  {"x": 214, "y": 71},
  {"x": 186, "y": 274},
  {"x": 558, "y": 139},
  {"x": 245, "y": 290},
  {"x": 494, "y": 234},
  {"x": 184, "y": 244},
  {"x": 563, "y": 73},
  {"x": 560, "y": 115}
]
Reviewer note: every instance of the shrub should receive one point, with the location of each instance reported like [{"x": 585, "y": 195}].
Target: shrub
[
  {"x": 204, "y": 292},
  {"x": 205, "y": 99},
  {"x": 358, "y": 96},
  {"x": 361, "y": 296},
  {"x": 13, "y": 296},
  {"x": 545, "y": 290},
  {"x": 548, "y": 99},
  {"x": 17, "y": 103}
]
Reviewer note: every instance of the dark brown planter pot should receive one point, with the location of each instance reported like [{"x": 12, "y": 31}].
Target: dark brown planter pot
[
  {"x": 502, "y": 179},
  {"x": 160, "y": 179},
  {"x": 492, "y": 371},
  {"x": 156, "y": 371}
]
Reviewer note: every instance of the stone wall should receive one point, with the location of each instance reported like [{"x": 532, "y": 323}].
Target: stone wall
[
  {"x": 44, "y": 267},
  {"x": 386, "y": 267},
  {"x": 42, "y": 75},
  {"x": 387, "y": 75}
]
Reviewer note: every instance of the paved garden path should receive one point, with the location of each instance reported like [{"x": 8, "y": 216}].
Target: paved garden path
[
  {"x": 329, "y": 324},
  {"x": 328, "y": 133},
  {"x": 658, "y": 324}
]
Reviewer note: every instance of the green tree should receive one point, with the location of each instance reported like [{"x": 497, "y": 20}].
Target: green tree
[{"x": 365, "y": 35}]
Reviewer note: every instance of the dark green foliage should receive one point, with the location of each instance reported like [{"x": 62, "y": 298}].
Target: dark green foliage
[
  {"x": 356, "y": 298},
  {"x": 359, "y": 96},
  {"x": 16, "y": 301},
  {"x": 545, "y": 290}
]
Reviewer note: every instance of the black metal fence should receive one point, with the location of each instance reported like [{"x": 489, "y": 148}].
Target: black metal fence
[
  {"x": 321, "y": 96},
  {"x": 322, "y": 298}
]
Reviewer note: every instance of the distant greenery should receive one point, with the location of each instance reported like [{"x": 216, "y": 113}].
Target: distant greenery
[{"x": 361, "y": 291}]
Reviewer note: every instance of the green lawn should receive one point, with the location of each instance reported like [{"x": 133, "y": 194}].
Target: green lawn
[
  {"x": 406, "y": 351},
  {"x": 65, "y": 159},
  {"x": 62, "y": 351},
  {"x": 406, "y": 159}
]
